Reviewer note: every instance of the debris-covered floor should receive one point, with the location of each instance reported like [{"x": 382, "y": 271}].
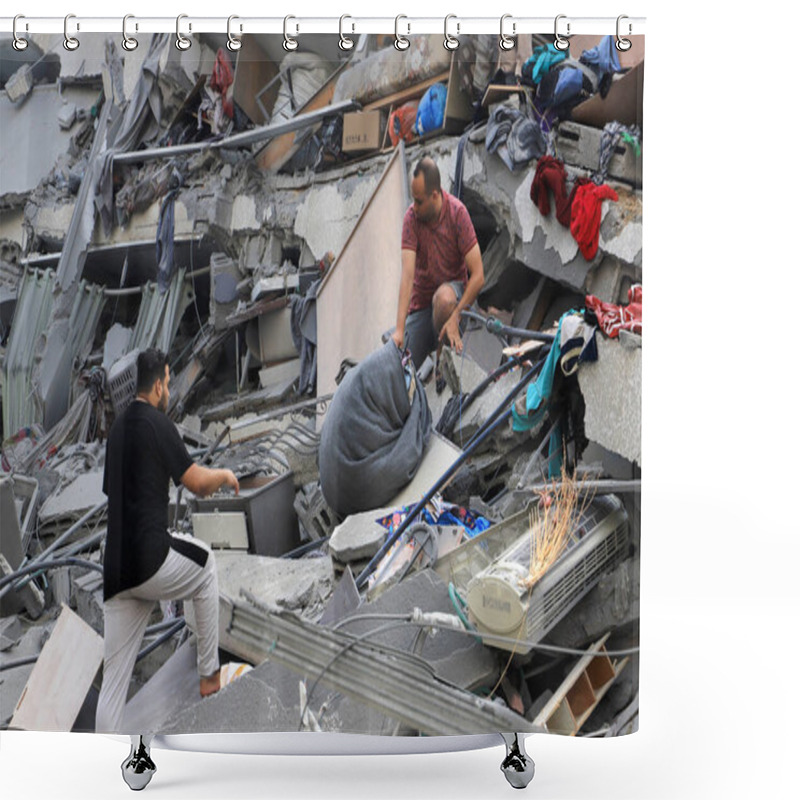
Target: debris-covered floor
[{"x": 242, "y": 213}]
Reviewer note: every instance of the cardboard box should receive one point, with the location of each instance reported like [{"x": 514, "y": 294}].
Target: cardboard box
[{"x": 361, "y": 131}]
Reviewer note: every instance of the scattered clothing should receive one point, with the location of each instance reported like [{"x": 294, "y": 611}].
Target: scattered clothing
[
  {"x": 578, "y": 343},
  {"x": 165, "y": 241},
  {"x": 613, "y": 132},
  {"x": 515, "y": 138},
  {"x": 587, "y": 207},
  {"x": 304, "y": 336},
  {"x": 222, "y": 80},
  {"x": 551, "y": 176},
  {"x": 613, "y": 318},
  {"x": 536, "y": 67},
  {"x": 604, "y": 61}
]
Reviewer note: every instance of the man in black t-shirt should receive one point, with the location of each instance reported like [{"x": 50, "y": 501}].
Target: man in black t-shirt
[{"x": 144, "y": 563}]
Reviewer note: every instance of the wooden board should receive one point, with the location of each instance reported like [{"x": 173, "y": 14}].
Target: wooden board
[
  {"x": 61, "y": 678},
  {"x": 357, "y": 300},
  {"x": 254, "y": 70}
]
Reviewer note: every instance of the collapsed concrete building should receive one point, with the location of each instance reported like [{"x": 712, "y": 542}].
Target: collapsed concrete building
[{"x": 260, "y": 249}]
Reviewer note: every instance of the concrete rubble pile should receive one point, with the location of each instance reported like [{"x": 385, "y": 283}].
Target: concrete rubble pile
[{"x": 220, "y": 227}]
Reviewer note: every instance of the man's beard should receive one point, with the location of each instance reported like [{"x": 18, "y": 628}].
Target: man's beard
[{"x": 162, "y": 403}]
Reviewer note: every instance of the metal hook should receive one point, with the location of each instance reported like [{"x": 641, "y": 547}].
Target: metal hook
[
  {"x": 234, "y": 43},
  {"x": 451, "y": 42},
  {"x": 181, "y": 42},
  {"x": 623, "y": 44},
  {"x": 400, "y": 42},
  {"x": 345, "y": 43},
  {"x": 19, "y": 43},
  {"x": 507, "y": 42},
  {"x": 128, "y": 42},
  {"x": 70, "y": 42},
  {"x": 289, "y": 43},
  {"x": 561, "y": 43}
]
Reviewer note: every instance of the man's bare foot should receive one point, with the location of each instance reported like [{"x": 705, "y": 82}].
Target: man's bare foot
[{"x": 209, "y": 686}]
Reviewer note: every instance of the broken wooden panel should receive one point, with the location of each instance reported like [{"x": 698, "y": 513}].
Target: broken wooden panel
[
  {"x": 581, "y": 691},
  {"x": 61, "y": 678},
  {"x": 357, "y": 300},
  {"x": 254, "y": 70}
]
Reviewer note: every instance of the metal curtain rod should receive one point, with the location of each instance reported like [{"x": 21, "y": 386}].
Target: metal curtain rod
[{"x": 295, "y": 26}]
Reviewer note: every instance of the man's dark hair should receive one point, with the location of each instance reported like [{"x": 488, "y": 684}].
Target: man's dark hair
[
  {"x": 151, "y": 365},
  {"x": 430, "y": 173}
]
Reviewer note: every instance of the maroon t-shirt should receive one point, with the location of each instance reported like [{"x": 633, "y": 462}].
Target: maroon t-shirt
[{"x": 440, "y": 247}]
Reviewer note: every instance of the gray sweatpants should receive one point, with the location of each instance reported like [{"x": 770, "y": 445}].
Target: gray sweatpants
[{"x": 127, "y": 613}]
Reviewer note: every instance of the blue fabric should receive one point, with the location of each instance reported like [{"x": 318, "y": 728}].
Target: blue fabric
[
  {"x": 430, "y": 114},
  {"x": 603, "y": 58},
  {"x": 570, "y": 84},
  {"x": 543, "y": 59},
  {"x": 538, "y": 391},
  {"x": 555, "y": 455}
]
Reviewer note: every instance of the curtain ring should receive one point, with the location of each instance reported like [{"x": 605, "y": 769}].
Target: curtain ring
[
  {"x": 400, "y": 42},
  {"x": 181, "y": 42},
  {"x": 451, "y": 42},
  {"x": 70, "y": 42},
  {"x": 289, "y": 43},
  {"x": 560, "y": 42},
  {"x": 507, "y": 42},
  {"x": 19, "y": 43},
  {"x": 234, "y": 43},
  {"x": 345, "y": 43},
  {"x": 623, "y": 44},
  {"x": 128, "y": 42}
]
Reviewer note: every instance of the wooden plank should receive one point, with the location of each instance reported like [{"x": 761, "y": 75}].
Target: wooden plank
[
  {"x": 254, "y": 70},
  {"x": 404, "y": 95},
  {"x": 61, "y": 678},
  {"x": 499, "y": 93},
  {"x": 357, "y": 299}
]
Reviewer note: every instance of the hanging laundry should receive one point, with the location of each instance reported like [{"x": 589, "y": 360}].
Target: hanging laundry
[
  {"x": 578, "y": 343},
  {"x": 613, "y": 318},
  {"x": 165, "y": 241},
  {"x": 587, "y": 207},
  {"x": 222, "y": 80}
]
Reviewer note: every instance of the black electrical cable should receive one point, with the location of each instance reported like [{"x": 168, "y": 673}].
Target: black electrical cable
[
  {"x": 43, "y": 565},
  {"x": 179, "y": 624},
  {"x": 493, "y": 325}
]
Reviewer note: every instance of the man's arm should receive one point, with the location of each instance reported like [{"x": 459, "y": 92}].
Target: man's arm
[
  {"x": 474, "y": 285},
  {"x": 409, "y": 262},
  {"x": 203, "y": 481}
]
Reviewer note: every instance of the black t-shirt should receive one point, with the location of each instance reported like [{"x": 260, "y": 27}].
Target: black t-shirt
[{"x": 144, "y": 450}]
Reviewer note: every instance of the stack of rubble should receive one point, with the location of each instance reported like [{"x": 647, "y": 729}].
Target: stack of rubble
[{"x": 267, "y": 288}]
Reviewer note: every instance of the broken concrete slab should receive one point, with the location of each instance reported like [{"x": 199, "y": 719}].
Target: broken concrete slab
[
  {"x": 61, "y": 678},
  {"x": 456, "y": 658},
  {"x": 304, "y": 585},
  {"x": 280, "y": 377},
  {"x": 88, "y": 597},
  {"x": 10, "y": 632},
  {"x": 439, "y": 455},
  {"x": 30, "y": 595},
  {"x": 612, "y": 391},
  {"x": 359, "y": 536},
  {"x": 71, "y": 501}
]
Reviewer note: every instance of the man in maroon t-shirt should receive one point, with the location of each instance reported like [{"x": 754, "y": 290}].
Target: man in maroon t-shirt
[{"x": 442, "y": 269}]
